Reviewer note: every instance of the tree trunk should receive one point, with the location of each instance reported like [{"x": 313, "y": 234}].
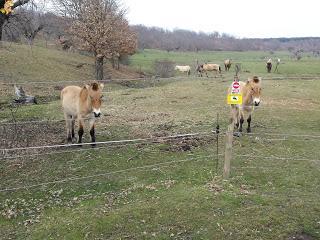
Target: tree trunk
[
  {"x": 99, "y": 67},
  {"x": 112, "y": 63}
]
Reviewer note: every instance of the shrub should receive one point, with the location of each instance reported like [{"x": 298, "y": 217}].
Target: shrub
[{"x": 164, "y": 68}]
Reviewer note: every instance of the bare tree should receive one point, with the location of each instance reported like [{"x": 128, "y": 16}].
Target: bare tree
[
  {"x": 124, "y": 44},
  {"x": 31, "y": 22},
  {"x": 99, "y": 27},
  {"x": 6, "y": 11}
]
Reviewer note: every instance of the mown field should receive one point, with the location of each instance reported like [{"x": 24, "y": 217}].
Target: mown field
[{"x": 164, "y": 189}]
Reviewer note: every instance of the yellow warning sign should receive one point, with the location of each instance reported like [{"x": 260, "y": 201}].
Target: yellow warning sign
[{"x": 234, "y": 98}]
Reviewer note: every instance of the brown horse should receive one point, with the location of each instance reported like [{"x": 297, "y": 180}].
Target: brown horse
[
  {"x": 227, "y": 64},
  {"x": 208, "y": 67},
  {"x": 269, "y": 65},
  {"x": 81, "y": 103},
  {"x": 251, "y": 93}
]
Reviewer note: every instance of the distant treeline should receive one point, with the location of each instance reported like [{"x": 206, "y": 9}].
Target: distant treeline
[
  {"x": 185, "y": 40},
  {"x": 28, "y": 24}
]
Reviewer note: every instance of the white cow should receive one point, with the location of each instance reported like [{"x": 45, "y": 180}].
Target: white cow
[{"x": 185, "y": 68}]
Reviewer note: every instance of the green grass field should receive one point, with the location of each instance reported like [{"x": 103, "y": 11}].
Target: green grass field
[
  {"x": 252, "y": 62},
  {"x": 167, "y": 189}
]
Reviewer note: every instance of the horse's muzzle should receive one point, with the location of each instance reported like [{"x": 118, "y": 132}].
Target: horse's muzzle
[{"x": 256, "y": 101}]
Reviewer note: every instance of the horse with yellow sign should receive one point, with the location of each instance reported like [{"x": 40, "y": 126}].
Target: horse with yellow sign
[{"x": 242, "y": 97}]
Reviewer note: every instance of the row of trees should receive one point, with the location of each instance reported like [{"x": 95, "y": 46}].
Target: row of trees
[{"x": 184, "y": 40}]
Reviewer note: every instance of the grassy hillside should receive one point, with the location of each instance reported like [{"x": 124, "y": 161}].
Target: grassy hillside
[
  {"x": 20, "y": 63},
  {"x": 166, "y": 189},
  {"x": 34, "y": 67}
]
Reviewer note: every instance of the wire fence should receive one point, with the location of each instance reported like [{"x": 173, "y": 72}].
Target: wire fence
[
  {"x": 71, "y": 179},
  {"x": 105, "y": 142},
  {"x": 150, "y": 78},
  {"x": 124, "y": 143},
  {"x": 215, "y": 109}
]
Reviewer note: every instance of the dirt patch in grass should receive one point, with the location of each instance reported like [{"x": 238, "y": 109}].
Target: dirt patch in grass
[
  {"x": 300, "y": 236},
  {"x": 31, "y": 134},
  {"x": 188, "y": 144}
]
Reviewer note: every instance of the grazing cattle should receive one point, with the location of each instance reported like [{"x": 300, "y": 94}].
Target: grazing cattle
[
  {"x": 208, "y": 67},
  {"x": 184, "y": 69},
  {"x": 81, "y": 103},
  {"x": 227, "y": 64},
  {"x": 251, "y": 93},
  {"x": 269, "y": 65}
]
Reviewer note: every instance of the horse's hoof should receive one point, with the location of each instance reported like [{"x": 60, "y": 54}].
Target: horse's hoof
[
  {"x": 249, "y": 130},
  {"x": 93, "y": 145}
]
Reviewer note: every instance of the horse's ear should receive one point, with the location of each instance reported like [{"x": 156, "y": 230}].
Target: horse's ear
[
  {"x": 101, "y": 85},
  {"x": 84, "y": 92}
]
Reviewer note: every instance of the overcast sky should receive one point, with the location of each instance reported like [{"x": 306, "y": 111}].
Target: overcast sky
[{"x": 240, "y": 18}]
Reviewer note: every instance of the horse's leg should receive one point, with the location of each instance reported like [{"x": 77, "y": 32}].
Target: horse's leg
[
  {"x": 68, "y": 127},
  {"x": 72, "y": 128},
  {"x": 92, "y": 133},
  {"x": 249, "y": 123},
  {"x": 80, "y": 132},
  {"x": 235, "y": 117},
  {"x": 241, "y": 121}
]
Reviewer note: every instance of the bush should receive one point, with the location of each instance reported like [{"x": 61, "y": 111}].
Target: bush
[{"x": 164, "y": 68}]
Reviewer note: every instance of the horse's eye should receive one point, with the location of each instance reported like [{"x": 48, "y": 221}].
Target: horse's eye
[
  {"x": 252, "y": 89},
  {"x": 101, "y": 96}
]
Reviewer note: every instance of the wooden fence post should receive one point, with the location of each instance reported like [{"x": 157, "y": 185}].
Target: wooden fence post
[
  {"x": 228, "y": 151},
  {"x": 217, "y": 149}
]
